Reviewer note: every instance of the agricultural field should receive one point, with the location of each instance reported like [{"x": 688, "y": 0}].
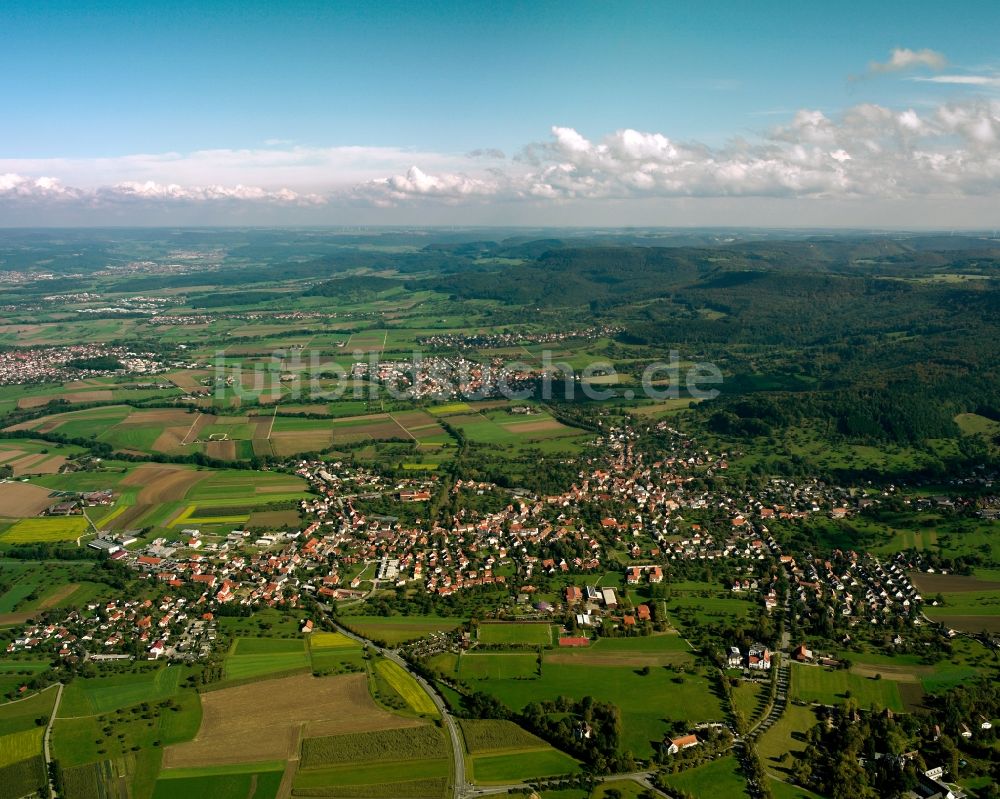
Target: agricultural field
[
  {"x": 48, "y": 529},
  {"x": 295, "y": 705},
  {"x": 407, "y": 687},
  {"x": 395, "y": 630},
  {"x": 30, "y": 457},
  {"x": 502, "y": 428},
  {"x": 970, "y": 603},
  {"x": 241, "y": 781},
  {"x": 509, "y": 766},
  {"x": 23, "y": 500},
  {"x": 425, "y": 742},
  {"x": 259, "y": 657},
  {"x": 503, "y": 752},
  {"x": 87, "y": 696},
  {"x": 497, "y": 666},
  {"x": 663, "y": 649},
  {"x": 177, "y": 431}
]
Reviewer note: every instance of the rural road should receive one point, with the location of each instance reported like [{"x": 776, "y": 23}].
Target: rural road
[
  {"x": 47, "y": 738},
  {"x": 462, "y": 788}
]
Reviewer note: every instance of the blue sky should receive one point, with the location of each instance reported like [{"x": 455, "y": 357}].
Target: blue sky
[{"x": 100, "y": 95}]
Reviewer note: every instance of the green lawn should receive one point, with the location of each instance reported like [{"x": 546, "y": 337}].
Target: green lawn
[
  {"x": 224, "y": 782},
  {"x": 830, "y": 687},
  {"x": 518, "y": 766},
  {"x": 497, "y": 666},
  {"x": 268, "y": 646},
  {"x": 395, "y": 630},
  {"x": 241, "y": 667},
  {"x": 88, "y": 739},
  {"x": 645, "y": 701},
  {"x": 516, "y": 633},
  {"x": 720, "y": 779},
  {"x": 87, "y": 696}
]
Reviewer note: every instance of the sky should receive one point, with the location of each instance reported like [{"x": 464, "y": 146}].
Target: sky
[{"x": 769, "y": 113}]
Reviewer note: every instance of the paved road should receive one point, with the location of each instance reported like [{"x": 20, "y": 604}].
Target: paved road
[{"x": 783, "y": 680}]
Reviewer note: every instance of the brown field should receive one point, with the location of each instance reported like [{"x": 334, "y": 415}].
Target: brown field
[
  {"x": 98, "y": 395},
  {"x": 126, "y": 519},
  {"x": 274, "y": 518},
  {"x": 900, "y": 674},
  {"x": 188, "y": 380},
  {"x": 381, "y": 429},
  {"x": 265, "y": 720},
  {"x": 414, "y": 418},
  {"x": 10, "y": 454},
  {"x": 169, "y": 441},
  {"x": 951, "y": 583},
  {"x": 171, "y": 416},
  {"x": 262, "y": 447},
  {"x": 162, "y": 482},
  {"x": 583, "y": 657},
  {"x": 534, "y": 427},
  {"x": 912, "y": 695},
  {"x": 20, "y": 500},
  {"x": 283, "y": 444},
  {"x": 971, "y": 624},
  {"x": 223, "y": 450},
  {"x": 37, "y": 464},
  {"x": 20, "y": 617},
  {"x": 262, "y": 425}
]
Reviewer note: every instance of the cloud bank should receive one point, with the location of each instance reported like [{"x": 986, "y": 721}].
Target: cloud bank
[{"x": 869, "y": 152}]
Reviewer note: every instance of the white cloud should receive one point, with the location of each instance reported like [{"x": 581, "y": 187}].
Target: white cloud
[
  {"x": 903, "y": 58},
  {"x": 867, "y": 153},
  {"x": 961, "y": 80}
]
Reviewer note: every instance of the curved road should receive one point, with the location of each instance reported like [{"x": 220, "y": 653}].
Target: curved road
[{"x": 462, "y": 788}]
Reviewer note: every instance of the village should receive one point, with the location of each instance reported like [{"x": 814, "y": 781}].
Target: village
[
  {"x": 51, "y": 364},
  {"x": 341, "y": 552}
]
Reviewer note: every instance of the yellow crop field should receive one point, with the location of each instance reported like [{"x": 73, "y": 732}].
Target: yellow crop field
[
  {"x": 46, "y": 528},
  {"x": 20, "y": 745},
  {"x": 406, "y": 687},
  {"x": 324, "y": 640}
]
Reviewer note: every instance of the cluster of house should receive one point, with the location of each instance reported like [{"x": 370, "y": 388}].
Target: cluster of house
[
  {"x": 856, "y": 585},
  {"x": 438, "y": 377},
  {"x": 122, "y": 629},
  {"x": 50, "y": 364},
  {"x": 500, "y": 340},
  {"x": 595, "y": 606},
  {"x": 757, "y": 657},
  {"x": 72, "y": 503}
]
